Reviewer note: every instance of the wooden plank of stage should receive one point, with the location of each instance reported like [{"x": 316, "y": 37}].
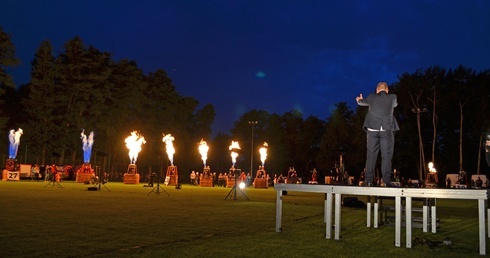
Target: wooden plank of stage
[{"x": 330, "y": 191}]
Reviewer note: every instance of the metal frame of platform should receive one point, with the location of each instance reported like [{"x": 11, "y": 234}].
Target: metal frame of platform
[{"x": 331, "y": 191}]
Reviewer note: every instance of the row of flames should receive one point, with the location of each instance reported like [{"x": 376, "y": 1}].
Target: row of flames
[
  {"x": 136, "y": 140},
  {"x": 134, "y": 143},
  {"x": 234, "y": 147}
]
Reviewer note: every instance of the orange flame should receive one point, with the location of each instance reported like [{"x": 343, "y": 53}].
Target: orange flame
[
  {"x": 432, "y": 169},
  {"x": 234, "y": 146},
  {"x": 133, "y": 143},
  {"x": 263, "y": 153},
  {"x": 203, "y": 150},
  {"x": 168, "y": 139}
]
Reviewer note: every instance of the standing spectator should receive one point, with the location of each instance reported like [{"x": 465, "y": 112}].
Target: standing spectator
[
  {"x": 362, "y": 179},
  {"x": 215, "y": 179},
  {"x": 243, "y": 177},
  {"x": 47, "y": 173},
  {"x": 280, "y": 179},
  {"x": 32, "y": 173},
  {"x": 54, "y": 173},
  {"x": 193, "y": 178},
  {"x": 36, "y": 170},
  {"x": 479, "y": 183},
  {"x": 345, "y": 178},
  {"x": 221, "y": 180},
  {"x": 249, "y": 179}
]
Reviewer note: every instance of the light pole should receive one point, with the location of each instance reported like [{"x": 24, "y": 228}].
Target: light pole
[
  {"x": 421, "y": 144},
  {"x": 252, "y": 123}
]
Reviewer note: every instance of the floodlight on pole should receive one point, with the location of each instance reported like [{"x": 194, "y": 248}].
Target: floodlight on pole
[{"x": 252, "y": 123}]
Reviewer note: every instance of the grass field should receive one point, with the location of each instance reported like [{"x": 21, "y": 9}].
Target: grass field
[{"x": 40, "y": 220}]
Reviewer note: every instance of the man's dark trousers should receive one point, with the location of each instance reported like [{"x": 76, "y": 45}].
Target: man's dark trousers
[{"x": 383, "y": 141}]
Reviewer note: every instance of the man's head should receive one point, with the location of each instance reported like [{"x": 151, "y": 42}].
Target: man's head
[{"x": 382, "y": 86}]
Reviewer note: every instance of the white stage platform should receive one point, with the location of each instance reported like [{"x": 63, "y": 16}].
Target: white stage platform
[{"x": 330, "y": 191}]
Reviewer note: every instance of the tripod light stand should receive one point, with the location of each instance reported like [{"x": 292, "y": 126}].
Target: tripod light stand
[
  {"x": 157, "y": 188},
  {"x": 100, "y": 179},
  {"x": 53, "y": 181},
  {"x": 233, "y": 192}
]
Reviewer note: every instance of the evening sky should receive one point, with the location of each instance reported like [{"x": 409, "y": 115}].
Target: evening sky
[{"x": 277, "y": 56}]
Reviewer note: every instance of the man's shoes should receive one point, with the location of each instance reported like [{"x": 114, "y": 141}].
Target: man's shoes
[{"x": 370, "y": 184}]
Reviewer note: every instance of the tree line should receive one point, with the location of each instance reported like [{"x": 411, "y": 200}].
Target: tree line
[{"x": 442, "y": 114}]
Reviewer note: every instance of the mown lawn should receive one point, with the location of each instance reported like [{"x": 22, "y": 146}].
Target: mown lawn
[{"x": 132, "y": 221}]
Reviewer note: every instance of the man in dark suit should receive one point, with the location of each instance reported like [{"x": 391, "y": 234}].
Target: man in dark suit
[{"x": 380, "y": 126}]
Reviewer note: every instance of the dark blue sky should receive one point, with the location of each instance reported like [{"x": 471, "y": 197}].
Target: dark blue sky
[{"x": 271, "y": 55}]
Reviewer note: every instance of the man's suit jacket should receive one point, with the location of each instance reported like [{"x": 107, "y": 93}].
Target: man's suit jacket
[{"x": 380, "y": 114}]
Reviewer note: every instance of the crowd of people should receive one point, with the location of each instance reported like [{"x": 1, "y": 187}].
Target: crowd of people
[
  {"x": 220, "y": 179},
  {"x": 332, "y": 177}
]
